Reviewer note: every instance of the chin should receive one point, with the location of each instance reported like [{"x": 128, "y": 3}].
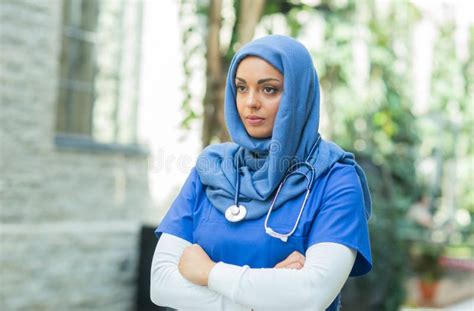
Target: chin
[{"x": 258, "y": 134}]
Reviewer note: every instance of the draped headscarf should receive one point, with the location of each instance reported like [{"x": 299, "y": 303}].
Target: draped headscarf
[{"x": 264, "y": 162}]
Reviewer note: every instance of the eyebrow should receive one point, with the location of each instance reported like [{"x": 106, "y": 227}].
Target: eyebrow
[{"x": 259, "y": 81}]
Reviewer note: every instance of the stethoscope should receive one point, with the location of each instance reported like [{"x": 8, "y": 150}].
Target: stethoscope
[{"x": 237, "y": 212}]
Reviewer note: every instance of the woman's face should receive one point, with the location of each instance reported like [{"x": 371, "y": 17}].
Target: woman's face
[{"x": 259, "y": 87}]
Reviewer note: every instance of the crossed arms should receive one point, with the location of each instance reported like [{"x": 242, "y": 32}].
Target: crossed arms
[{"x": 185, "y": 278}]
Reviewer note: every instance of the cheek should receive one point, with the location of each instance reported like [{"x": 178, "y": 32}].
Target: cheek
[
  {"x": 240, "y": 106},
  {"x": 274, "y": 107}
]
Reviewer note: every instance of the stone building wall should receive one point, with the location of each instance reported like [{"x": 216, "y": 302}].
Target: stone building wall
[{"x": 69, "y": 219}]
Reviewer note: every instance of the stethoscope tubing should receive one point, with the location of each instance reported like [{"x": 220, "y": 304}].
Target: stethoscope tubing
[{"x": 234, "y": 217}]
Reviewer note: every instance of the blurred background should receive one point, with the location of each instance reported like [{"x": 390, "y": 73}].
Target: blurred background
[{"x": 105, "y": 105}]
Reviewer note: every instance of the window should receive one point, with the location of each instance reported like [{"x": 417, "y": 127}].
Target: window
[{"x": 99, "y": 70}]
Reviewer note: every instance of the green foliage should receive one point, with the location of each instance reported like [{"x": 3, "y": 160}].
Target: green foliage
[
  {"x": 192, "y": 16},
  {"x": 451, "y": 117},
  {"x": 425, "y": 261},
  {"x": 374, "y": 120},
  {"x": 371, "y": 115}
]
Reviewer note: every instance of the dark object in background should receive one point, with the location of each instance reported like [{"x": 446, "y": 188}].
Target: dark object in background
[{"x": 148, "y": 242}]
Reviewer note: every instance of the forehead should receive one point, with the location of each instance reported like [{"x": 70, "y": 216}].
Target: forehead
[{"x": 256, "y": 66}]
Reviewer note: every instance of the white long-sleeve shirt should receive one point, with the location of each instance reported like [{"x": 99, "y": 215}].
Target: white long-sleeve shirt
[{"x": 234, "y": 288}]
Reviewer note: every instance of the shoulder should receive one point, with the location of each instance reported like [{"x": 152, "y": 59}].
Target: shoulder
[
  {"x": 191, "y": 185},
  {"x": 342, "y": 172},
  {"x": 341, "y": 180}
]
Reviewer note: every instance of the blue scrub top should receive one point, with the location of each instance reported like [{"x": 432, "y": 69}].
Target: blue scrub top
[{"x": 334, "y": 213}]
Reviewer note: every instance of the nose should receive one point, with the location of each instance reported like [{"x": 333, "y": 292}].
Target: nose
[{"x": 252, "y": 100}]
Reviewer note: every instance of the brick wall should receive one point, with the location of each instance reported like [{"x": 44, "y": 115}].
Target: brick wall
[{"x": 69, "y": 220}]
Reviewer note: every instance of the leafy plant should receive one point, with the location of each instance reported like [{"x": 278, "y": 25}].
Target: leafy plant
[{"x": 425, "y": 261}]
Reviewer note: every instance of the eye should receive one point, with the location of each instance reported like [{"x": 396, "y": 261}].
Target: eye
[
  {"x": 269, "y": 90},
  {"x": 240, "y": 88}
]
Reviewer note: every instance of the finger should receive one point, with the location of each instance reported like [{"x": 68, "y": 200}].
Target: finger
[
  {"x": 293, "y": 257},
  {"x": 297, "y": 256},
  {"x": 294, "y": 265},
  {"x": 284, "y": 263},
  {"x": 193, "y": 250},
  {"x": 298, "y": 262},
  {"x": 180, "y": 267},
  {"x": 290, "y": 261},
  {"x": 193, "y": 247},
  {"x": 196, "y": 246},
  {"x": 279, "y": 265}
]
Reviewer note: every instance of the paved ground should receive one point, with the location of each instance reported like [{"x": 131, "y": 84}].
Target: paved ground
[{"x": 466, "y": 305}]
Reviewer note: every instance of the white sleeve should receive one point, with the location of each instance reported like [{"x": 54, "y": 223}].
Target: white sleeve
[
  {"x": 314, "y": 287},
  {"x": 169, "y": 288}
]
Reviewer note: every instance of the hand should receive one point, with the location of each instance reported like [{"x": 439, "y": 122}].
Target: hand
[
  {"x": 195, "y": 265},
  {"x": 294, "y": 261}
]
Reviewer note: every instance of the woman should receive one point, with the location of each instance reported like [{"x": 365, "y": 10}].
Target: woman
[{"x": 235, "y": 236}]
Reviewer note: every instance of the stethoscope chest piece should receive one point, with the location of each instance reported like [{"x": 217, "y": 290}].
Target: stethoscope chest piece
[{"x": 235, "y": 213}]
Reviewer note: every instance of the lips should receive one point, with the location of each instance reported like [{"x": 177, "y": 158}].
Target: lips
[{"x": 254, "y": 120}]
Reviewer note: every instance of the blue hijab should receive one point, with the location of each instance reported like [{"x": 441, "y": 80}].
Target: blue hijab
[{"x": 264, "y": 162}]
